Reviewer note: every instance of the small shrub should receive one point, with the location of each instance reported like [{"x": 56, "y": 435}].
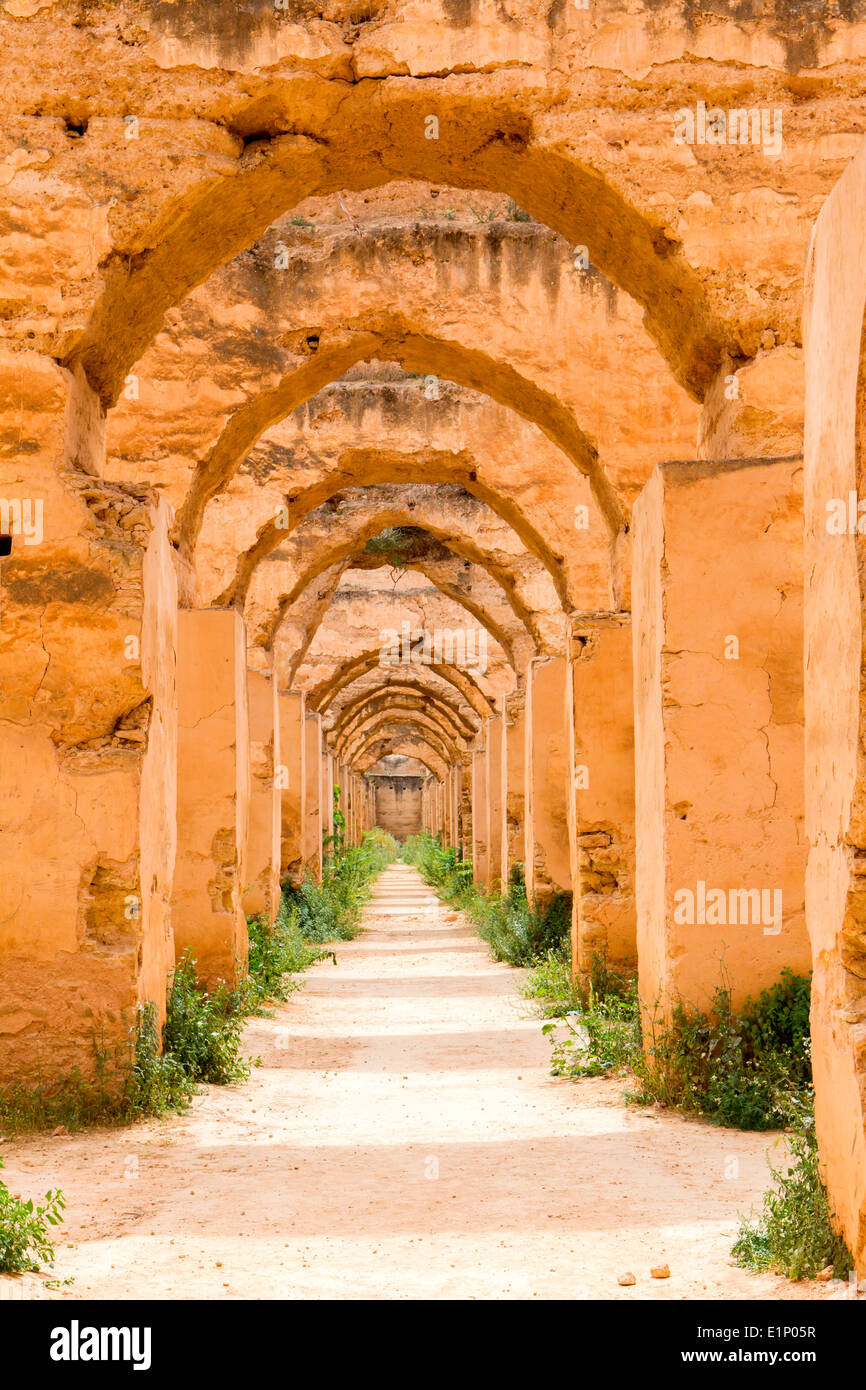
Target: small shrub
[
  {"x": 551, "y": 986},
  {"x": 603, "y": 1037},
  {"x": 25, "y": 1239},
  {"x": 203, "y": 1031},
  {"x": 750, "y": 1070},
  {"x": 793, "y": 1235},
  {"x": 276, "y": 951},
  {"x": 331, "y": 910},
  {"x": 516, "y": 932},
  {"x": 158, "y": 1080},
  {"x": 515, "y": 213}
]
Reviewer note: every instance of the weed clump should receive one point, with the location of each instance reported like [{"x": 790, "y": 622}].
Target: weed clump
[
  {"x": 25, "y": 1238},
  {"x": 516, "y": 931},
  {"x": 747, "y": 1070},
  {"x": 793, "y": 1235}
]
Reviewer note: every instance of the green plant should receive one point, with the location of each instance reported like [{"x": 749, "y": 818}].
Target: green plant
[
  {"x": 277, "y": 950},
  {"x": 748, "y": 1070},
  {"x": 203, "y": 1031},
  {"x": 603, "y": 1036},
  {"x": 394, "y": 545},
  {"x": 552, "y": 987},
  {"x": 793, "y": 1234},
  {"x": 24, "y": 1236},
  {"x": 490, "y": 215},
  {"x": 331, "y": 910},
  {"x": 336, "y": 841},
  {"x": 133, "y": 1080},
  {"x": 515, "y": 213},
  {"x": 158, "y": 1080},
  {"x": 516, "y": 932}
]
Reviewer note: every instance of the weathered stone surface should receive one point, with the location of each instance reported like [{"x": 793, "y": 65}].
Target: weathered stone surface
[
  {"x": 262, "y": 889},
  {"x": 602, "y": 813},
  {"x": 547, "y": 778},
  {"x": 213, "y": 794},
  {"x": 719, "y": 730},
  {"x": 835, "y": 785}
]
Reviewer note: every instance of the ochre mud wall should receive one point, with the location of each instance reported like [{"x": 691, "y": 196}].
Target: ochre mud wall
[
  {"x": 261, "y": 893},
  {"x": 398, "y": 805},
  {"x": 718, "y": 642},
  {"x": 548, "y": 776},
  {"x": 602, "y": 828},
  {"x": 266, "y": 427},
  {"x": 88, "y": 736},
  {"x": 213, "y": 793},
  {"x": 835, "y": 460}
]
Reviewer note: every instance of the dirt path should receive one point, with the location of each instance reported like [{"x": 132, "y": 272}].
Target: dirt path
[{"x": 404, "y": 1139}]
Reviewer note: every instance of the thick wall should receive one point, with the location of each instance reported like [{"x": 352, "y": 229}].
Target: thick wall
[
  {"x": 548, "y": 776},
  {"x": 718, "y": 643},
  {"x": 398, "y": 804},
  {"x": 497, "y": 831},
  {"x": 88, "y": 738},
  {"x": 835, "y": 461},
  {"x": 481, "y": 811},
  {"x": 262, "y": 893},
  {"x": 213, "y": 794},
  {"x": 515, "y": 778},
  {"x": 602, "y": 825},
  {"x": 293, "y": 784},
  {"x": 313, "y": 796}
]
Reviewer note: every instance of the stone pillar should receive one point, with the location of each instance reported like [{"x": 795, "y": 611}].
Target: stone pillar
[
  {"x": 548, "y": 775},
  {"x": 466, "y": 804},
  {"x": 835, "y": 599},
  {"x": 496, "y": 768},
  {"x": 351, "y": 807},
  {"x": 455, "y": 806},
  {"x": 718, "y": 654},
  {"x": 481, "y": 812},
  {"x": 515, "y": 778},
  {"x": 602, "y": 828},
  {"x": 262, "y": 895},
  {"x": 313, "y": 796},
  {"x": 292, "y": 784},
  {"x": 342, "y": 773},
  {"x": 88, "y": 733},
  {"x": 328, "y": 798},
  {"x": 213, "y": 794}
]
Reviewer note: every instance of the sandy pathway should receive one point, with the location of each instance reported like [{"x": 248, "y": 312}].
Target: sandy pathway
[{"x": 403, "y": 1138}]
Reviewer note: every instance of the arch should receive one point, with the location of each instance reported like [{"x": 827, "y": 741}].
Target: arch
[
  {"x": 329, "y": 533},
  {"x": 419, "y": 751},
  {"x": 390, "y": 338},
  {"x": 422, "y": 682},
  {"x": 462, "y": 726},
  {"x": 319, "y": 696},
  {"x": 355, "y": 434},
  {"x": 395, "y": 621},
  {"x": 416, "y": 720},
  {"x": 367, "y": 135},
  {"x": 470, "y": 588},
  {"x": 409, "y": 744},
  {"x": 394, "y": 708}
]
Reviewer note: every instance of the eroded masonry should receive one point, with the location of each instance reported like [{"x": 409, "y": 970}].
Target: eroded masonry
[{"x": 420, "y": 415}]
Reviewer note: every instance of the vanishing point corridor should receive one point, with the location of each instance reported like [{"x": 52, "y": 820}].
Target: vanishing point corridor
[{"x": 403, "y": 1138}]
